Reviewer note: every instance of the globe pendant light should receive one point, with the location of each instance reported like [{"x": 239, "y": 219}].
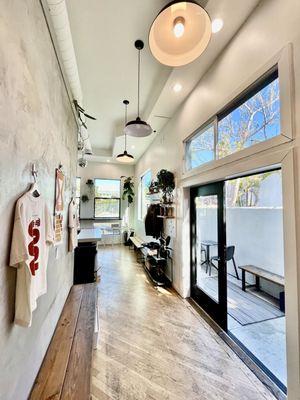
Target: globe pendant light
[
  {"x": 180, "y": 33},
  {"x": 138, "y": 127},
  {"x": 125, "y": 157}
]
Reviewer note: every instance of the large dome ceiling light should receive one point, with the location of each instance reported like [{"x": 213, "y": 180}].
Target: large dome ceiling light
[
  {"x": 180, "y": 33},
  {"x": 138, "y": 127},
  {"x": 125, "y": 157}
]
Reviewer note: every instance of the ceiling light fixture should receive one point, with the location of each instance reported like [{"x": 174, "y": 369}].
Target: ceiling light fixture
[
  {"x": 138, "y": 127},
  {"x": 178, "y": 28},
  {"x": 217, "y": 25},
  {"x": 125, "y": 157},
  {"x": 180, "y": 33},
  {"x": 177, "y": 87}
]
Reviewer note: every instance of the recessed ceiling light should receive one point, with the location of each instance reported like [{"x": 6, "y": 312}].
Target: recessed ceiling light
[
  {"x": 217, "y": 25},
  {"x": 107, "y": 160},
  {"x": 177, "y": 87},
  {"x": 133, "y": 146}
]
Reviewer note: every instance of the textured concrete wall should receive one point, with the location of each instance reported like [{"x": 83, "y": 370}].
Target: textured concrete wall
[{"x": 36, "y": 124}]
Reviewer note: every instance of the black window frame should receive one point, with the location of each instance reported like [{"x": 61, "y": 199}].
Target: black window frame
[
  {"x": 251, "y": 91},
  {"x": 259, "y": 84},
  {"x": 106, "y": 198}
]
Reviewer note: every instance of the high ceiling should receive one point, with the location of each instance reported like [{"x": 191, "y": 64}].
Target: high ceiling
[{"x": 103, "y": 34}]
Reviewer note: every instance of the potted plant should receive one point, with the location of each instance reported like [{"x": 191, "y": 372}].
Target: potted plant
[
  {"x": 85, "y": 198},
  {"x": 166, "y": 183},
  {"x": 153, "y": 188},
  {"x": 128, "y": 190},
  {"x": 128, "y": 194}
]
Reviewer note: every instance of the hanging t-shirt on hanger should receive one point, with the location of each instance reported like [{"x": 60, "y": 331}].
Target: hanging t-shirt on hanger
[
  {"x": 73, "y": 225},
  {"x": 32, "y": 235}
]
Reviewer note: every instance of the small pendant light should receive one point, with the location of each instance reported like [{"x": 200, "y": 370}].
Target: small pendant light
[
  {"x": 125, "y": 157},
  {"x": 180, "y": 33},
  {"x": 138, "y": 127}
]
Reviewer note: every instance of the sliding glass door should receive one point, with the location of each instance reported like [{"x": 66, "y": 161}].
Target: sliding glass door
[{"x": 208, "y": 277}]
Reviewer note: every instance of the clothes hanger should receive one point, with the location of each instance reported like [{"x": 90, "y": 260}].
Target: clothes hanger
[{"x": 34, "y": 190}]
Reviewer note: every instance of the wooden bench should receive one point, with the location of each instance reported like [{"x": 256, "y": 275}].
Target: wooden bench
[
  {"x": 136, "y": 242},
  {"x": 260, "y": 273},
  {"x": 66, "y": 369}
]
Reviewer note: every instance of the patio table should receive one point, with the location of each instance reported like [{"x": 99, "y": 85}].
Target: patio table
[{"x": 207, "y": 244}]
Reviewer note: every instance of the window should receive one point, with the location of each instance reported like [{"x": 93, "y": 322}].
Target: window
[
  {"x": 107, "y": 203},
  {"x": 253, "y": 118},
  {"x": 144, "y": 189},
  {"x": 200, "y": 149}
]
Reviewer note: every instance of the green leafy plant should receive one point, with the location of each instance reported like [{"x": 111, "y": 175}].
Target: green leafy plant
[
  {"x": 154, "y": 187},
  {"x": 166, "y": 183},
  {"x": 85, "y": 198},
  {"x": 90, "y": 184},
  {"x": 128, "y": 190}
]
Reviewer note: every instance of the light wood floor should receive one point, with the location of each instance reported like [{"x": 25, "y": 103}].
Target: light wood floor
[{"x": 153, "y": 345}]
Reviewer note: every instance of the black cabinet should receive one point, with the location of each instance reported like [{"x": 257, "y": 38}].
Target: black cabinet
[{"x": 85, "y": 262}]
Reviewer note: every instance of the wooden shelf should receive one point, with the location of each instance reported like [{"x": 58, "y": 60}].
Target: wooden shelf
[{"x": 165, "y": 217}]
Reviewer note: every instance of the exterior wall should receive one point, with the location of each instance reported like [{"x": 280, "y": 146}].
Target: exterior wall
[
  {"x": 36, "y": 125},
  {"x": 272, "y": 26},
  {"x": 101, "y": 170},
  {"x": 256, "y": 233}
]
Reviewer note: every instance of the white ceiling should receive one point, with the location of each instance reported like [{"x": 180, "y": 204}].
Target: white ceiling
[{"x": 103, "y": 34}]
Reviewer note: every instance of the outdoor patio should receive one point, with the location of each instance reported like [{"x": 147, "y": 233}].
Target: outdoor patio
[{"x": 254, "y": 318}]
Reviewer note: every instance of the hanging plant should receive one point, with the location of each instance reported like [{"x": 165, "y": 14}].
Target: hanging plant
[
  {"x": 128, "y": 190},
  {"x": 166, "y": 183},
  {"x": 90, "y": 184},
  {"x": 85, "y": 198}
]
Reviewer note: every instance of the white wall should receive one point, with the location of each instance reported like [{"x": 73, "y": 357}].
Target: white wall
[
  {"x": 272, "y": 25},
  {"x": 101, "y": 170}
]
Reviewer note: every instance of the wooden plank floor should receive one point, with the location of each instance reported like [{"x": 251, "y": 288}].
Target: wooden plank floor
[{"x": 154, "y": 346}]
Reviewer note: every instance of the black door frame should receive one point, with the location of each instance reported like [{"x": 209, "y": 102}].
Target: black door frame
[{"x": 216, "y": 310}]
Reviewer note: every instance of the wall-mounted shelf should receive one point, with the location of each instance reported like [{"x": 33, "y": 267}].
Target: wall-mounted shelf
[{"x": 165, "y": 217}]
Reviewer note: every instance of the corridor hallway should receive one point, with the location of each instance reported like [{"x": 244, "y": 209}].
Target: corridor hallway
[{"x": 153, "y": 345}]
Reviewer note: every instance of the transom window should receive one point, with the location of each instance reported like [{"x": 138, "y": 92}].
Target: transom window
[
  {"x": 253, "y": 118},
  {"x": 107, "y": 203}
]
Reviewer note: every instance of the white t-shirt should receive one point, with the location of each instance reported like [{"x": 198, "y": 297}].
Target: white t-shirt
[
  {"x": 32, "y": 235},
  {"x": 73, "y": 225}
]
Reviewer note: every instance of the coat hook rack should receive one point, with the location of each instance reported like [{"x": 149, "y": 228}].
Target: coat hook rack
[{"x": 34, "y": 172}]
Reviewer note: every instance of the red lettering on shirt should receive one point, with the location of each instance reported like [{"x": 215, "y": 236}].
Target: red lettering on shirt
[{"x": 33, "y": 249}]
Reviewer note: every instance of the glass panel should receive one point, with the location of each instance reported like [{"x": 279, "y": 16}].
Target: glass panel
[
  {"x": 107, "y": 208},
  {"x": 254, "y": 230},
  {"x": 107, "y": 188},
  {"x": 200, "y": 149},
  {"x": 256, "y": 120},
  {"x": 207, "y": 245},
  {"x": 144, "y": 189}
]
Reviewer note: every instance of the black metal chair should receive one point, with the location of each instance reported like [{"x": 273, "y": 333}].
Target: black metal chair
[{"x": 229, "y": 256}]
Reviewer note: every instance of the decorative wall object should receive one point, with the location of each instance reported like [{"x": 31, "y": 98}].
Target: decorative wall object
[{"x": 59, "y": 206}]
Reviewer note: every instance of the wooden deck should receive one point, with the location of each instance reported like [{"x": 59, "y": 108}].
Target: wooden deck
[{"x": 245, "y": 307}]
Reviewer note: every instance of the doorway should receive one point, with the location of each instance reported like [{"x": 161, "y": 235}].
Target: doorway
[
  {"x": 237, "y": 271},
  {"x": 208, "y": 284}
]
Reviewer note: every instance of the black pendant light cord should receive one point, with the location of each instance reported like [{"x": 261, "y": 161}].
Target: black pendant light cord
[
  {"x": 139, "y": 76},
  {"x": 125, "y": 125},
  {"x": 125, "y": 102}
]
